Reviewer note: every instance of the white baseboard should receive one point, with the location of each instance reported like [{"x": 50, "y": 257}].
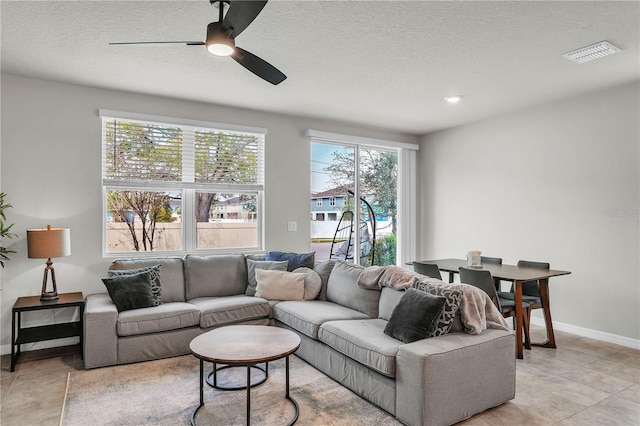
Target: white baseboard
[{"x": 587, "y": 332}]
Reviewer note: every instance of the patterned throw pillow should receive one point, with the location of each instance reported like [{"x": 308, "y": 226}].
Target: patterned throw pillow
[
  {"x": 453, "y": 298},
  {"x": 156, "y": 289}
]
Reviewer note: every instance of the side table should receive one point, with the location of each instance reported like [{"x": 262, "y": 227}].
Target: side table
[{"x": 40, "y": 333}]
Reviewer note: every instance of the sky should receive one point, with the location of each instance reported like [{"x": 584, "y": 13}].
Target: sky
[{"x": 321, "y": 157}]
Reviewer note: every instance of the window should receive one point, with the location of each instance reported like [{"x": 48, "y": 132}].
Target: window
[
  {"x": 176, "y": 185},
  {"x": 375, "y": 183},
  {"x": 319, "y": 202}
]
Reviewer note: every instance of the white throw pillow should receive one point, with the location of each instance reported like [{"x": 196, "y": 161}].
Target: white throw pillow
[
  {"x": 312, "y": 283},
  {"x": 279, "y": 285}
]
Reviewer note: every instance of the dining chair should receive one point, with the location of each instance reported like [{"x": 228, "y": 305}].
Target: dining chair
[
  {"x": 483, "y": 280},
  {"x": 530, "y": 289},
  {"x": 428, "y": 269},
  {"x": 492, "y": 261}
]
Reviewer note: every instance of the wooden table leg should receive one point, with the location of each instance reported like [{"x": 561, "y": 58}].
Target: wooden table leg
[
  {"x": 518, "y": 307},
  {"x": 544, "y": 298}
]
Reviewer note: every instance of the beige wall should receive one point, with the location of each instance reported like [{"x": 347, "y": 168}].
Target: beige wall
[
  {"x": 51, "y": 150},
  {"x": 557, "y": 183}
]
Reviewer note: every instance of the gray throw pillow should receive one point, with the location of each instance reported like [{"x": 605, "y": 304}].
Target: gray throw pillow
[
  {"x": 295, "y": 260},
  {"x": 130, "y": 291},
  {"x": 312, "y": 283},
  {"x": 415, "y": 317},
  {"x": 453, "y": 299},
  {"x": 252, "y": 265},
  {"x": 156, "y": 289}
]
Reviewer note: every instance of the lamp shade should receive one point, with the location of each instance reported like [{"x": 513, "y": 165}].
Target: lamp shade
[{"x": 44, "y": 243}]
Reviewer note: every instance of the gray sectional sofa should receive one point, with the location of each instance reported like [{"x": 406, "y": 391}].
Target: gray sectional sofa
[{"x": 435, "y": 381}]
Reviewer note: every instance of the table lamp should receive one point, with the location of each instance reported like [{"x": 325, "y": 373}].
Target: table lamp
[{"x": 44, "y": 244}]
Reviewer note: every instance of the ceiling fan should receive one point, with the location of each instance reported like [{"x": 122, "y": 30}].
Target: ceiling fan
[{"x": 221, "y": 36}]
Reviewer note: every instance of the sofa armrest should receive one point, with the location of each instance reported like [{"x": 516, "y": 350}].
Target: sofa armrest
[
  {"x": 458, "y": 374},
  {"x": 100, "y": 336}
]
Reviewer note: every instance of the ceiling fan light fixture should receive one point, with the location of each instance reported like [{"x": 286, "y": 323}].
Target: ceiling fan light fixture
[
  {"x": 219, "y": 42},
  {"x": 220, "y": 49}
]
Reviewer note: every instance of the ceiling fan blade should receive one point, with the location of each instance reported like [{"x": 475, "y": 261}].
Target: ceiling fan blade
[
  {"x": 163, "y": 43},
  {"x": 241, "y": 14},
  {"x": 258, "y": 66}
]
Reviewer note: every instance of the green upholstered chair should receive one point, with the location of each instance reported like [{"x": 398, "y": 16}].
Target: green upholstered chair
[
  {"x": 530, "y": 289},
  {"x": 492, "y": 261},
  {"x": 484, "y": 281},
  {"x": 428, "y": 269}
]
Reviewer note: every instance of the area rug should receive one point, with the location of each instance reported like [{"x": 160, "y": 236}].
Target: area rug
[{"x": 164, "y": 392}]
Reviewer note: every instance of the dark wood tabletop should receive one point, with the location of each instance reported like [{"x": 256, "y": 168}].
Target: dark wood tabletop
[
  {"x": 33, "y": 303},
  {"x": 517, "y": 275},
  {"x": 503, "y": 272}
]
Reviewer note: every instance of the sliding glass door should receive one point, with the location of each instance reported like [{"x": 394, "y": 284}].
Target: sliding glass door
[{"x": 354, "y": 193}]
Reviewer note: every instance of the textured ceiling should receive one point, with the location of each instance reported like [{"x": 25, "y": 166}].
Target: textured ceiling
[{"x": 384, "y": 65}]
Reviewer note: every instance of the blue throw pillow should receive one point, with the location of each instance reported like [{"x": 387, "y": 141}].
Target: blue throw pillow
[{"x": 305, "y": 260}]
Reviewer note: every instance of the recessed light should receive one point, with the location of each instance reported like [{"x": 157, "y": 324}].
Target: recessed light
[{"x": 453, "y": 99}]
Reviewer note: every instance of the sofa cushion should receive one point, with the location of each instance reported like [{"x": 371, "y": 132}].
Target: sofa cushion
[
  {"x": 296, "y": 260},
  {"x": 453, "y": 299},
  {"x": 215, "y": 276},
  {"x": 343, "y": 289},
  {"x": 171, "y": 274},
  {"x": 165, "y": 317},
  {"x": 280, "y": 285},
  {"x": 324, "y": 270},
  {"x": 389, "y": 298},
  {"x": 307, "y": 316},
  {"x": 363, "y": 341},
  {"x": 156, "y": 284},
  {"x": 252, "y": 265},
  {"x": 218, "y": 311},
  {"x": 416, "y": 316},
  {"x": 131, "y": 291}
]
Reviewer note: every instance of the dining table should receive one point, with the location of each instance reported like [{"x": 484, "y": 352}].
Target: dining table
[{"x": 517, "y": 275}]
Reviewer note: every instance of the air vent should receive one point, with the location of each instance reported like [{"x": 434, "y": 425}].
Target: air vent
[{"x": 589, "y": 53}]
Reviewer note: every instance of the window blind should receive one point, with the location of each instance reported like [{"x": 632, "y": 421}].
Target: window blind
[{"x": 148, "y": 154}]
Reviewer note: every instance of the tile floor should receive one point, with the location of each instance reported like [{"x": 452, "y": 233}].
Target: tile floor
[{"x": 584, "y": 382}]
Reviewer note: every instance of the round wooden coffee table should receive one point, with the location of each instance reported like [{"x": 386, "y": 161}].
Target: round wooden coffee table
[{"x": 244, "y": 346}]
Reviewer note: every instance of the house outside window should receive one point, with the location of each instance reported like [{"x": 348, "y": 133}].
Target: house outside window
[
  {"x": 319, "y": 202},
  {"x": 176, "y": 186},
  {"x": 371, "y": 185}
]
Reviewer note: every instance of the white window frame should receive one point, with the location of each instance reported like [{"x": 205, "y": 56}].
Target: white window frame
[
  {"x": 407, "y": 185},
  {"x": 188, "y": 189}
]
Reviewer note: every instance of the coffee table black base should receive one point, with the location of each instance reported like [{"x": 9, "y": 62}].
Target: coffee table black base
[
  {"x": 212, "y": 378},
  {"x": 247, "y": 387}
]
